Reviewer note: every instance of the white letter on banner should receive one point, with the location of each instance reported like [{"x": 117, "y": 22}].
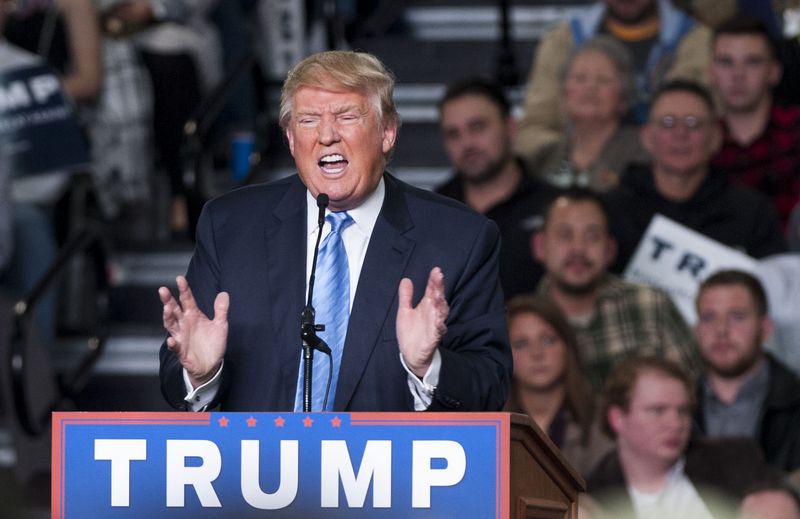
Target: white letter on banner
[
  {"x": 200, "y": 477},
  {"x": 287, "y": 489},
  {"x": 44, "y": 86},
  {"x": 14, "y": 96},
  {"x": 120, "y": 453},
  {"x": 423, "y": 476},
  {"x": 376, "y": 466}
]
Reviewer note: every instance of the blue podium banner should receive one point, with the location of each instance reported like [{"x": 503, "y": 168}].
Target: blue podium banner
[{"x": 291, "y": 465}]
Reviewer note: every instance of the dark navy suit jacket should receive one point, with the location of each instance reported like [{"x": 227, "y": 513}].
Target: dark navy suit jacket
[{"x": 252, "y": 243}]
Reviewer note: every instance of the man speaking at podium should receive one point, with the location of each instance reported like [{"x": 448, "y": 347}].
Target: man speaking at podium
[{"x": 406, "y": 283}]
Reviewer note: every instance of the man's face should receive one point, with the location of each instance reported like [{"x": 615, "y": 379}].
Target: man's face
[
  {"x": 680, "y": 136},
  {"x": 743, "y": 71},
  {"x": 729, "y": 330},
  {"x": 574, "y": 246},
  {"x": 539, "y": 353},
  {"x": 477, "y": 138},
  {"x": 339, "y": 144},
  {"x": 630, "y": 11},
  {"x": 655, "y": 428}
]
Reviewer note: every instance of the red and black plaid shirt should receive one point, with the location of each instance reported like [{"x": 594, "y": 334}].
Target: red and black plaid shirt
[{"x": 771, "y": 163}]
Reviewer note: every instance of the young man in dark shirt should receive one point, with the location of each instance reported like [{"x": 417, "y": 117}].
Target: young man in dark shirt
[{"x": 477, "y": 131}]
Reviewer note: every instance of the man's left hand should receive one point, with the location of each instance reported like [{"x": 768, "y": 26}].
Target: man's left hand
[{"x": 420, "y": 329}]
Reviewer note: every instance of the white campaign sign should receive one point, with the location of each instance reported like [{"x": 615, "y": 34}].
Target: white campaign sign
[{"x": 677, "y": 259}]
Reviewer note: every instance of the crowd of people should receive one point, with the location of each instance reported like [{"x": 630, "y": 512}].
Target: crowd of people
[
  {"x": 132, "y": 73},
  {"x": 634, "y": 108}
]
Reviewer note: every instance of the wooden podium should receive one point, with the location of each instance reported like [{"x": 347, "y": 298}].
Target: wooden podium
[
  {"x": 543, "y": 485},
  {"x": 331, "y": 465}
]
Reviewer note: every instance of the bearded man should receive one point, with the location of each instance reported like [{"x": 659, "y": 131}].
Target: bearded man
[
  {"x": 744, "y": 391},
  {"x": 613, "y": 319}
]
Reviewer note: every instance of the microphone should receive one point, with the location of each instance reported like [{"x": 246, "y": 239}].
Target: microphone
[{"x": 308, "y": 328}]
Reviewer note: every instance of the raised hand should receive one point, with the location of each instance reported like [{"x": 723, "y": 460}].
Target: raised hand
[
  {"x": 420, "y": 329},
  {"x": 198, "y": 342}
]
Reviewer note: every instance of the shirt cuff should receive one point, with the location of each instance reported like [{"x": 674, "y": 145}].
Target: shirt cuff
[
  {"x": 423, "y": 390},
  {"x": 198, "y": 398}
]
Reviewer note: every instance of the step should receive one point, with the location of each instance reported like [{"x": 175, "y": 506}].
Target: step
[{"x": 482, "y": 22}]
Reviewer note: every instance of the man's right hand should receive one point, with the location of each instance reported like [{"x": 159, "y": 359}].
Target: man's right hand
[{"x": 199, "y": 342}]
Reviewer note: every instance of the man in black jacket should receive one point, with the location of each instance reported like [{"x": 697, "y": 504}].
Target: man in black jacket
[
  {"x": 682, "y": 135},
  {"x": 745, "y": 392},
  {"x": 477, "y": 131}
]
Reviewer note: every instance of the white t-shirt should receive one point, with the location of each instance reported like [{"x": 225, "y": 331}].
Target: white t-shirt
[{"x": 677, "y": 499}]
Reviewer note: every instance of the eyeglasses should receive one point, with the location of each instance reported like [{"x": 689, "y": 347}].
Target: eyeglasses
[{"x": 690, "y": 122}]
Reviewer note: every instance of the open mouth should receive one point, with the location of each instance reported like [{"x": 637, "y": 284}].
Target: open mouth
[
  {"x": 333, "y": 163},
  {"x": 577, "y": 262}
]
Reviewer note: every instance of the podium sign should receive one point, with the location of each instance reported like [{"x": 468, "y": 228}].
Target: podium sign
[{"x": 223, "y": 465}]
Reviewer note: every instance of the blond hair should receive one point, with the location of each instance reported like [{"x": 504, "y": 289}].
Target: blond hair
[{"x": 346, "y": 70}]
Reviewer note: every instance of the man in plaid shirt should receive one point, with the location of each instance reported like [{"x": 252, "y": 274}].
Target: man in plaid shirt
[
  {"x": 761, "y": 146},
  {"x": 612, "y": 318}
]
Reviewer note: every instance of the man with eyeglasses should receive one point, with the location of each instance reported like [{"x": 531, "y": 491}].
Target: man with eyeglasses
[
  {"x": 761, "y": 143},
  {"x": 681, "y": 135}
]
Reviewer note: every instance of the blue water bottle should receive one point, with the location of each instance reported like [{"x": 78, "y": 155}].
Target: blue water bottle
[{"x": 243, "y": 147}]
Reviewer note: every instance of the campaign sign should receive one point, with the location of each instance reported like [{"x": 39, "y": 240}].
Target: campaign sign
[
  {"x": 39, "y": 131},
  {"x": 677, "y": 259},
  {"x": 291, "y": 465}
]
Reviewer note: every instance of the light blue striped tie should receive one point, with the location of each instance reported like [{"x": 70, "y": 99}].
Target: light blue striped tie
[{"x": 332, "y": 304}]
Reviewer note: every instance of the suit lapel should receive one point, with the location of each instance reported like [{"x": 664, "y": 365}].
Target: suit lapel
[
  {"x": 384, "y": 264},
  {"x": 285, "y": 236}
]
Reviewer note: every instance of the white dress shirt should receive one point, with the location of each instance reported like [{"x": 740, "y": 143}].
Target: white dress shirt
[
  {"x": 356, "y": 240},
  {"x": 678, "y": 498}
]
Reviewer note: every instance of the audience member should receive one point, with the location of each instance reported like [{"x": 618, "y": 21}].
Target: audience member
[
  {"x": 681, "y": 136},
  {"x": 181, "y": 52},
  {"x": 665, "y": 43},
  {"x": 761, "y": 140},
  {"x": 65, "y": 34},
  {"x": 596, "y": 147},
  {"x": 771, "y": 501},
  {"x": 714, "y": 13},
  {"x": 708, "y": 12},
  {"x": 612, "y": 318},
  {"x": 549, "y": 383},
  {"x": 29, "y": 246},
  {"x": 120, "y": 122},
  {"x": 745, "y": 392},
  {"x": 656, "y": 471},
  {"x": 477, "y": 130},
  {"x": 105, "y": 75}
]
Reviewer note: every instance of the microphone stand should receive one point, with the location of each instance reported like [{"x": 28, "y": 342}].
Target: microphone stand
[{"x": 308, "y": 328}]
